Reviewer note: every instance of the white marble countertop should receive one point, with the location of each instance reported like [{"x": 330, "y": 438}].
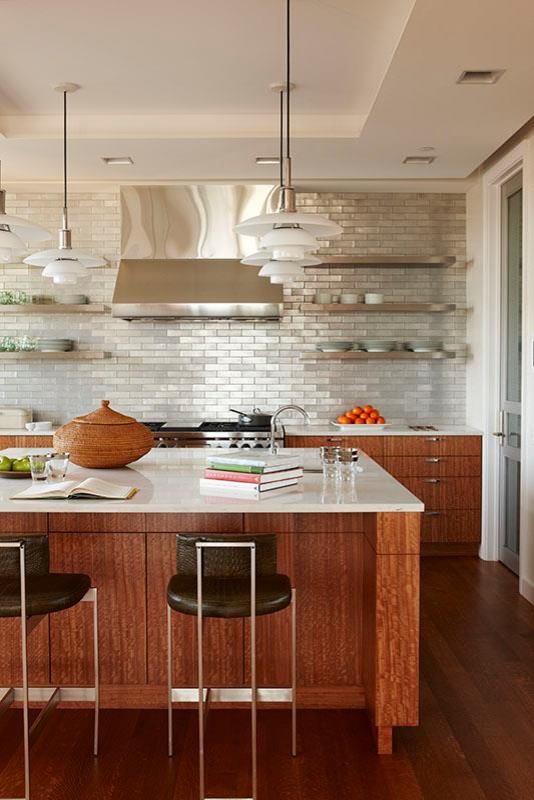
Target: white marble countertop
[
  {"x": 370, "y": 430},
  {"x": 24, "y": 432},
  {"x": 168, "y": 482}
]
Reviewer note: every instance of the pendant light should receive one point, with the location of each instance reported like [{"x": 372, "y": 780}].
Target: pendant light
[
  {"x": 288, "y": 234},
  {"x": 65, "y": 265},
  {"x": 16, "y": 234}
]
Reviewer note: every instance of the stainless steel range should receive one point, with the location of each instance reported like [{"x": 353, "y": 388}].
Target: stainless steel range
[{"x": 196, "y": 433}]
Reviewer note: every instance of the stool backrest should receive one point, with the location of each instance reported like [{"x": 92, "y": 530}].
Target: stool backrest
[
  {"x": 37, "y": 556},
  {"x": 228, "y": 562}
]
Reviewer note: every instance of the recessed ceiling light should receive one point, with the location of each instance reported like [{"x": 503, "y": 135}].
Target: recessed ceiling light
[
  {"x": 267, "y": 160},
  {"x": 117, "y": 161},
  {"x": 419, "y": 159},
  {"x": 480, "y": 75},
  {"x": 427, "y": 149}
]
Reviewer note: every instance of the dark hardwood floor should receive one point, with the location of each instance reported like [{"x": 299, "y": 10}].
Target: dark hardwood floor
[{"x": 475, "y": 741}]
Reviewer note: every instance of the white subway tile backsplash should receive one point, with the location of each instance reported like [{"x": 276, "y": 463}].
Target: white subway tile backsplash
[{"x": 200, "y": 368}]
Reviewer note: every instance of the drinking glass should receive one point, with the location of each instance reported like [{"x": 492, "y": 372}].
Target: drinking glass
[
  {"x": 38, "y": 467},
  {"x": 57, "y": 466},
  {"x": 346, "y": 463},
  {"x": 328, "y": 456}
]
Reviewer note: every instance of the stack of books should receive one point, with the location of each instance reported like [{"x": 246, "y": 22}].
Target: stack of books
[{"x": 251, "y": 474}]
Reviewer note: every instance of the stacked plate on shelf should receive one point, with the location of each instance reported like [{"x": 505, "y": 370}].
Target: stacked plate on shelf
[
  {"x": 54, "y": 345},
  {"x": 334, "y": 347},
  {"x": 424, "y": 346}
]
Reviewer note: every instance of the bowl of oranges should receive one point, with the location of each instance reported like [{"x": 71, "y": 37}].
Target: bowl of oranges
[{"x": 361, "y": 415}]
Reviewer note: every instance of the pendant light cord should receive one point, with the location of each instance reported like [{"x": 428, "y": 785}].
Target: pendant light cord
[
  {"x": 281, "y": 153},
  {"x": 288, "y": 77},
  {"x": 65, "y": 213}
]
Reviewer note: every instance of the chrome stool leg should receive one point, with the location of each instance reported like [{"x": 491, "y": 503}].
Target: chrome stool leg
[
  {"x": 169, "y": 680},
  {"x": 294, "y": 672}
]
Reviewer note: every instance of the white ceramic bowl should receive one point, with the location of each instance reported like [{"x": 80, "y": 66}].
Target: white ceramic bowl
[{"x": 43, "y": 426}]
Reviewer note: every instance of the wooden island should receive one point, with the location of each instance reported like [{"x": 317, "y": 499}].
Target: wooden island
[{"x": 351, "y": 552}]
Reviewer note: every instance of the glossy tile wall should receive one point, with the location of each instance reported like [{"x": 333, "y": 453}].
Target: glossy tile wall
[{"x": 179, "y": 368}]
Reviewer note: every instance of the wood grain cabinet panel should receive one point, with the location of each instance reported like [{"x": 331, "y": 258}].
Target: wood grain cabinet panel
[
  {"x": 7, "y": 441},
  {"x": 10, "y": 654},
  {"x": 451, "y": 526},
  {"x": 433, "y": 466},
  {"x": 116, "y": 565},
  {"x": 446, "y": 493},
  {"x": 372, "y": 445},
  {"x": 430, "y": 444},
  {"x": 32, "y": 441},
  {"x": 329, "y": 578}
]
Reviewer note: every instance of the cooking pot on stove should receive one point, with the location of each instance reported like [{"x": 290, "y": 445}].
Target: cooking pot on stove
[{"x": 252, "y": 418}]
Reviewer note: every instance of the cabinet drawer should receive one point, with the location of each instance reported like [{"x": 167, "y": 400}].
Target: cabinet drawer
[
  {"x": 372, "y": 445},
  {"x": 432, "y": 445},
  {"x": 446, "y": 493},
  {"x": 433, "y": 466},
  {"x": 451, "y": 526}
]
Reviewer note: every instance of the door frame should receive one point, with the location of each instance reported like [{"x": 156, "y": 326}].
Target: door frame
[{"x": 520, "y": 158}]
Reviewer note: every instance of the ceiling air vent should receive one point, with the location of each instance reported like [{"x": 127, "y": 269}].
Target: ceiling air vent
[
  {"x": 480, "y": 76},
  {"x": 419, "y": 159}
]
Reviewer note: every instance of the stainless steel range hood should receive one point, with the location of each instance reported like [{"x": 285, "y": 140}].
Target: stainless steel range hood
[
  {"x": 181, "y": 257},
  {"x": 216, "y": 288}
]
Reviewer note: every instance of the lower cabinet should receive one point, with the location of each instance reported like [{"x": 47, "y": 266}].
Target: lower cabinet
[{"x": 445, "y": 472}]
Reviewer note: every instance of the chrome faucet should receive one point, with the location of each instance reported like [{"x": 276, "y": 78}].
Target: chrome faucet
[{"x": 274, "y": 420}]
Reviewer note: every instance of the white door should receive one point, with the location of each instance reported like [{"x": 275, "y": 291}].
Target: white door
[{"x": 511, "y": 346}]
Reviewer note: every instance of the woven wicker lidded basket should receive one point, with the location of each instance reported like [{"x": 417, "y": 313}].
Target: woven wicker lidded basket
[{"x": 103, "y": 439}]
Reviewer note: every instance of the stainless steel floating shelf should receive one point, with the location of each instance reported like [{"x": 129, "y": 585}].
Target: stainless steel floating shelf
[
  {"x": 386, "y": 261},
  {"x": 68, "y": 355},
  {"x": 394, "y": 308},
  {"x": 393, "y": 355},
  {"x": 54, "y": 308}
]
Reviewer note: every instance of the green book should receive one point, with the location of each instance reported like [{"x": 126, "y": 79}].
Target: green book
[{"x": 238, "y": 468}]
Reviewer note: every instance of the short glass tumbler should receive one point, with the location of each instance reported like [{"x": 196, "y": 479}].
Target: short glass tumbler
[
  {"x": 38, "y": 467},
  {"x": 57, "y": 466},
  {"x": 346, "y": 463},
  {"x": 328, "y": 457}
]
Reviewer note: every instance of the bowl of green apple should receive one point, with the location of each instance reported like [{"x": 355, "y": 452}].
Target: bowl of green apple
[{"x": 15, "y": 467}]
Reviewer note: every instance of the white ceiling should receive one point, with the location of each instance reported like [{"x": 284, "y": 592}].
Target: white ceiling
[{"x": 182, "y": 88}]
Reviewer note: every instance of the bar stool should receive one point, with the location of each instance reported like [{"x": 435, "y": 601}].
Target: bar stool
[
  {"x": 30, "y": 591},
  {"x": 229, "y": 577}
]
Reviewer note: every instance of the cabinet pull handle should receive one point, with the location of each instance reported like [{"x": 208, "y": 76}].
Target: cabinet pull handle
[
  {"x": 433, "y": 439},
  {"x": 432, "y": 460},
  {"x": 431, "y": 480},
  {"x": 431, "y": 513}
]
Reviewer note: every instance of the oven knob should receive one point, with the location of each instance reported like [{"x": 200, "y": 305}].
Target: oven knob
[
  {"x": 245, "y": 446},
  {"x": 233, "y": 445},
  {"x": 259, "y": 445},
  {"x": 161, "y": 443}
]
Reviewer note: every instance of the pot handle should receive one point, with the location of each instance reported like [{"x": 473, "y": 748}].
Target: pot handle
[{"x": 241, "y": 413}]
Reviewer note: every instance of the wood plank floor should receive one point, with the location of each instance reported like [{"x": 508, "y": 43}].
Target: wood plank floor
[{"x": 475, "y": 741}]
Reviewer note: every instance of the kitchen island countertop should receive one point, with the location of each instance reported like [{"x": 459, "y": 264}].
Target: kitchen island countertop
[
  {"x": 370, "y": 430},
  {"x": 168, "y": 482}
]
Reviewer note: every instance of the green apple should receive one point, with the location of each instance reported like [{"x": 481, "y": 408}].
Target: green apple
[
  {"x": 5, "y": 463},
  {"x": 21, "y": 464}
]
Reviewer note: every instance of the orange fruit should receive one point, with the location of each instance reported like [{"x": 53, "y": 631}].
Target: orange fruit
[
  {"x": 363, "y": 415},
  {"x": 370, "y": 421},
  {"x": 351, "y": 415},
  {"x": 359, "y": 421},
  {"x": 357, "y": 410},
  {"x": 368, "y": 409},
  {"x": 343, "y": 420},
  {"x": 381, "y": 421},
  {"x": 374, "y": 414}
]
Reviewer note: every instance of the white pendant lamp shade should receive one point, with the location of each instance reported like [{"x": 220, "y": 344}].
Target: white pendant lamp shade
[
  {"x": 315, "y": 224},
  {"x": 288, "y": 244},
  {"x": 64, "y": 270},
  {"x": 11, "y": 246},
  {"x": 282, "y": 269},
  {"x": 45, "y": 257},
  {"x": 261, "y": 257},
  {"x": 28, "y": 234},
  {"x": 64, "y": 264}
]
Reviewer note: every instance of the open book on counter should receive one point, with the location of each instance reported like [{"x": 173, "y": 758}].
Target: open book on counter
[{"x": 90, "y": 488}]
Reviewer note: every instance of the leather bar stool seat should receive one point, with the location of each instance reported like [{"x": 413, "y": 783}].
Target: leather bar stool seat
[
  {"x": 228, "y": 598},
  {"x": 44, "y": 593}
]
